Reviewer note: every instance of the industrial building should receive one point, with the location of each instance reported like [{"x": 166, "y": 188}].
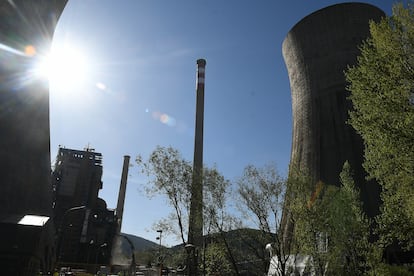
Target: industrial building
[
  {"x": 85, "y": 226},
  {"x": 317, "y": 51},
  {"x": 26, "y": 223}
]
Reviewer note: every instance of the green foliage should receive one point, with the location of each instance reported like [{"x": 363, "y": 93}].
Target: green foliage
[
  {"x": 353, "y": 228},
  {"x": 392, "y": 270},
  {"x": 261, "y": 192},
  {"x": 175, "y": 257},
  {"x": 216, "y": 260},
  {"x": 331, "y": 227},
  {"x": 169, "y": 174},
  {"x": 146, "y": 257},
  {"x": 216, "y": 189},
  {"x": 260, "y": 198},
  {"x": 247, "y": 248},
  {"x": 313, "y": 229},
  {"x": 382, "y": 93}
]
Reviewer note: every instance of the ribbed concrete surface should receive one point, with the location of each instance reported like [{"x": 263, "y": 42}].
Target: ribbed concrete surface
[{"x": 317, "y": 50}]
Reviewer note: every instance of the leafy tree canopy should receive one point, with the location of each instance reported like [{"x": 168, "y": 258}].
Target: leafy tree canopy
[
  {"x": 332, "y": 228},
  {"x": 382, "y": 93}
]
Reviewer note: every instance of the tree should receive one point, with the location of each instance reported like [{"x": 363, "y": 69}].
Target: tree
[
  {"x": 352, "y": 228},
  {"x": 216, "y": 218},
  {"x": 382, "y": 93},
  {"x": 332, "y": 228},
  {"x": 170, "y": 174},
  {"x": 216, "y": 260},
  {"x": 312, "y": 228},
  {"x": 261, "y": 193},
  {"x": 305, "y": 222}
]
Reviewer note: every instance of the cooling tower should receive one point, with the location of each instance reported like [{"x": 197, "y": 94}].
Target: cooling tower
[
  {"x": 26, "y": 30},
  {"x": 26, "y": 231},
  {"x": 317, "y": 51}
]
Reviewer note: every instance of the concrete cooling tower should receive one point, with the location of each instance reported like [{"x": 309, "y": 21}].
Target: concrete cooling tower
[
  {"x": 317, "y": 50},
  {"x": 26, "y": 230}
]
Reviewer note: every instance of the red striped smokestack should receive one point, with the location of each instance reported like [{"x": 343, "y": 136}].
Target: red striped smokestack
[
  {"x": 201, "y": 72},
  {"x": 195, "y": 228}
]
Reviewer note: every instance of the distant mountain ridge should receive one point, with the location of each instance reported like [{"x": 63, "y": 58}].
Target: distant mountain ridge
[
  {"x": 139, "y": 243},
  {"x": 142, "y": 244}
]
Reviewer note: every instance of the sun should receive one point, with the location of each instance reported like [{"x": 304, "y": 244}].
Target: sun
[{"x": 64, "y": 67}]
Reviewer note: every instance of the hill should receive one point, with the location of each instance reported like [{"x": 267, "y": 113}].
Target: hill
[
  {"x": 139, "y": 243},
  {"x": 143, "y": 250}
]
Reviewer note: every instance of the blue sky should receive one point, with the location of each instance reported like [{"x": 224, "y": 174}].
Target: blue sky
[{"x": 137, "y": 89}]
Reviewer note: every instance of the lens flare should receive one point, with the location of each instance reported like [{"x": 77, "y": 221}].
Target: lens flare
[
  {"x": 64, "y": 67},
  {"x": 101, "y": 86},
  {"x": 30, "y": 50},
  {"x": 164, "y": 118}
]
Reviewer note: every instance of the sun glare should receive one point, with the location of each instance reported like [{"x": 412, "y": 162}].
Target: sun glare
[{"x": 63, "y": 67}]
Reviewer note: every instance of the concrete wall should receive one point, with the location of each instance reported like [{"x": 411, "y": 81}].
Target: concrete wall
[{"x": 317, "y": 50}]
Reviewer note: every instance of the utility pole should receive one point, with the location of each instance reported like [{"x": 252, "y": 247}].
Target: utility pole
[{"x": 160, "y": 258}]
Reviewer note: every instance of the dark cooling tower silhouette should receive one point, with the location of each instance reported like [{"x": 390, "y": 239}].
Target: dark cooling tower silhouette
[
  {"x": 26, "y": 227},
  {"x": 317, "y": 51}
]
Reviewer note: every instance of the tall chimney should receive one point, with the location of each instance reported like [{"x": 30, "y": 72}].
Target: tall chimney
[
  {"x": 122, "y": 191},
  {"x": 195, "y": 229}
]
